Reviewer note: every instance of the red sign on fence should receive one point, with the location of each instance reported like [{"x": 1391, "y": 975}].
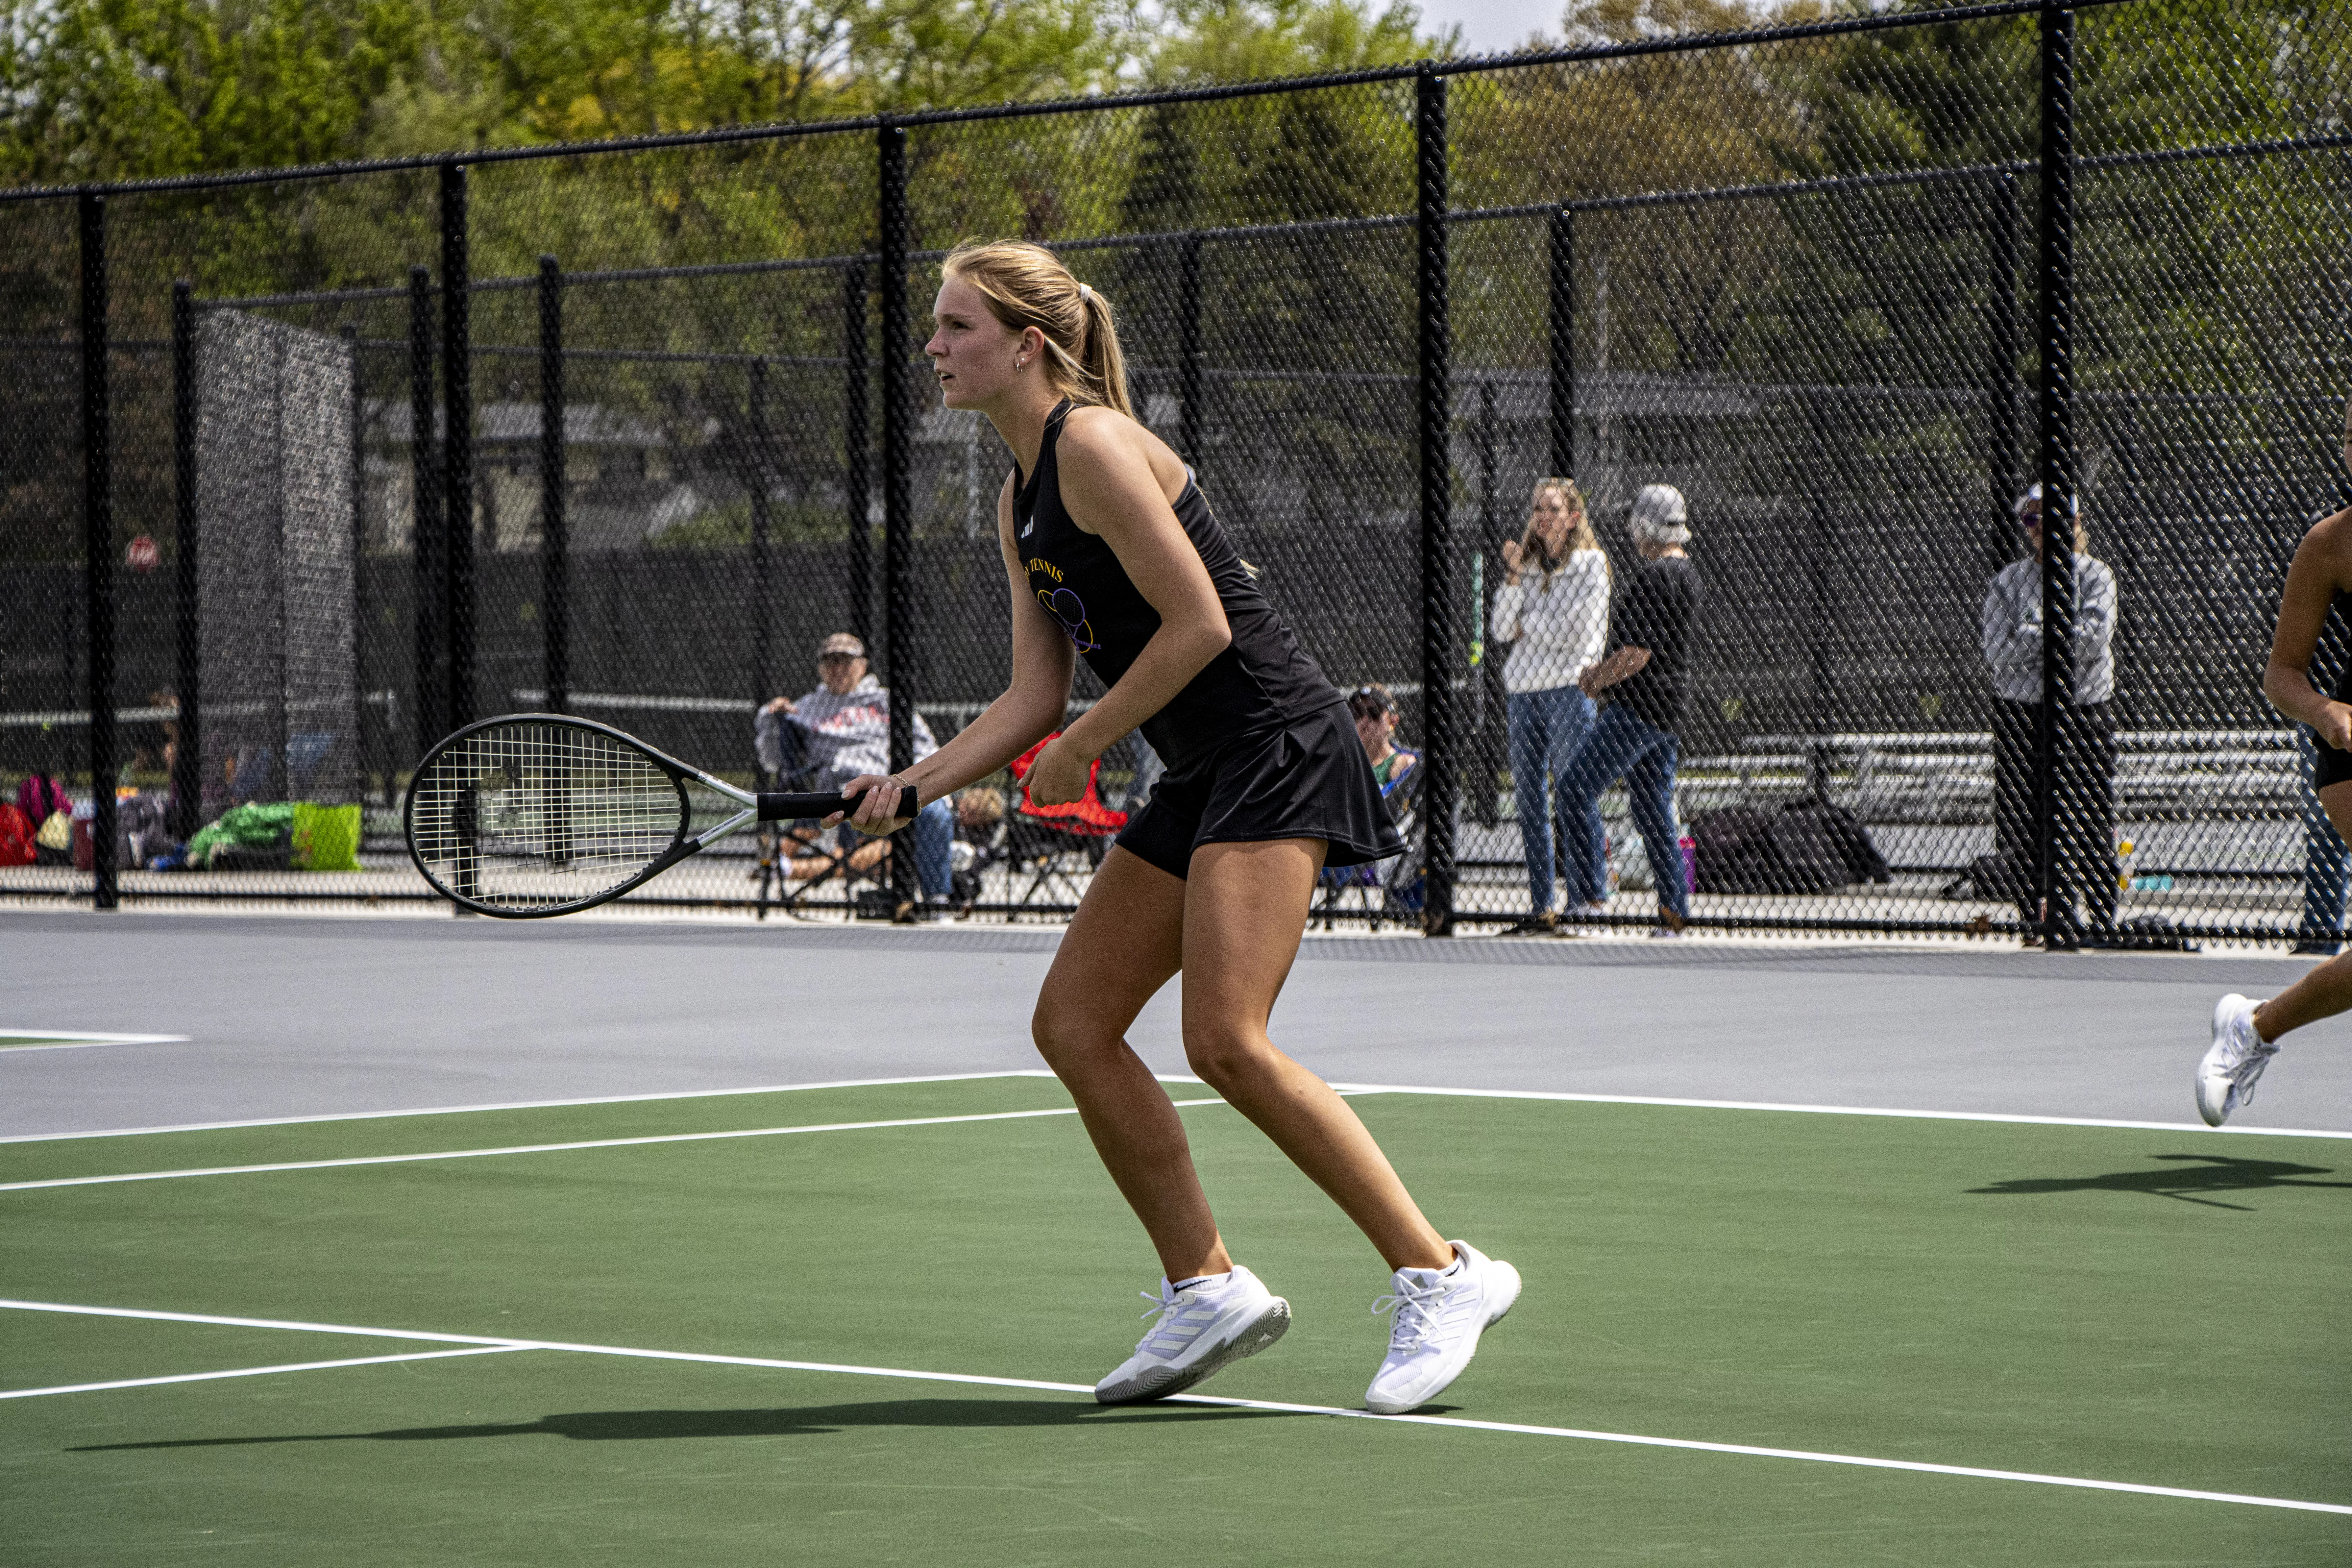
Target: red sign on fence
[{"x": 142, "y": 555}]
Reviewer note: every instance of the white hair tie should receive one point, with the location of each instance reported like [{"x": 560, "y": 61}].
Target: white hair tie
[{"x": 1084, "y": 293}]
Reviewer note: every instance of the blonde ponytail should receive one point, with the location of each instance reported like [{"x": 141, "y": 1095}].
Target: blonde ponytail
[
  {"x": 1100, "y": 361},
  {"x": 1027, "y": 286}
]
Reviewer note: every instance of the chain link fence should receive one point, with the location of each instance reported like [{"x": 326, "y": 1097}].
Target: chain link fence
[{"x": 627, "y": 431}]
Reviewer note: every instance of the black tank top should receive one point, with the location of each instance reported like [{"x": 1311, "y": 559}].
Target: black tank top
[{"x": 1261, "y": 678}]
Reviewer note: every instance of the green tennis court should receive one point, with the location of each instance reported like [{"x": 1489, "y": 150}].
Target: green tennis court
[{"x": 945, "y": 1261}]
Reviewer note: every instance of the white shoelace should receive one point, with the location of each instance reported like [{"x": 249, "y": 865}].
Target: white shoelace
[
  {"x": 2248, "y": 1069},
  {"x": 2249, "y": 1056},
  {"x": 1166, "y": 1313},
  {"x": 1415, "y": 1307}
]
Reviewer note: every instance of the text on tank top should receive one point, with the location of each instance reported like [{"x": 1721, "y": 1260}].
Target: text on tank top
[{"x": 1262, "y": 676}]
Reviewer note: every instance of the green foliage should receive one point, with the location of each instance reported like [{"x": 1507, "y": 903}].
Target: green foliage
[
  {"x": 94, "y": 90},
  {"x": 125, "y": 90}
]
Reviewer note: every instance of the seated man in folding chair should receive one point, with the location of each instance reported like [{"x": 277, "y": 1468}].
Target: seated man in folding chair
[
  {"x": 1398, "y": 768},
  {"x": 832, "y": 735}
]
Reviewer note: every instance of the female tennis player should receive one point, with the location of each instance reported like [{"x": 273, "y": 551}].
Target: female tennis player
[
  {"x": 2245, "y": 1032},
  {"x": 1111, "y": 552}
]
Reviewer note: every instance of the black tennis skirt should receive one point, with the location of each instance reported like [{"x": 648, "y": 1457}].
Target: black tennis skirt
[
  {"x": 1304, "y": 778},
  {"x": 2335, "y": 767}
]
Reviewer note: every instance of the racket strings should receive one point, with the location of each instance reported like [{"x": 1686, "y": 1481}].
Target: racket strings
[{"x": 530, "y": 815}]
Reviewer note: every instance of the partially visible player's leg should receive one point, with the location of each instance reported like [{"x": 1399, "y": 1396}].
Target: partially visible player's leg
[
  {"x": 1121, "y": 947},
  {"x": 1244, "y": 910},
  {"x": 1124, "y": 944},
  {"x": 2246, "y": 1033}
]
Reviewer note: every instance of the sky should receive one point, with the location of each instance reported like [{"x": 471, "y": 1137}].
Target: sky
[{"x": 1489, "y": 27}]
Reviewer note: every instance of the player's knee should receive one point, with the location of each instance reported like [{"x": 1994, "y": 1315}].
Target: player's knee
[
  {"x": 1223, "y": 1052},
  {"x": 1063, "y": 1033}
]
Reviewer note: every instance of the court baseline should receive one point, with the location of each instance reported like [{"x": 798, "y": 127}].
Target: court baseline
[{"x": 1459, "y": 1422}]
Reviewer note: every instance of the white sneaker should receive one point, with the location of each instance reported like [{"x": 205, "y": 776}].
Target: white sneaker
[
  {"x": 2234, "y": 1062},
  {"x": 1440, "y": 1313},
  {"x": 1200, "y": 1329}
]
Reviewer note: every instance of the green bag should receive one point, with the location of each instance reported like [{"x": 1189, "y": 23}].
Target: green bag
[
  {"x": 326, "y": 837},
  {"x": 256, "y": 825}
]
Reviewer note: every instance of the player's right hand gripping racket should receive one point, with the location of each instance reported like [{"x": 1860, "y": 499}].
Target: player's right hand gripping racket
[{"x": 537, "y": 814}]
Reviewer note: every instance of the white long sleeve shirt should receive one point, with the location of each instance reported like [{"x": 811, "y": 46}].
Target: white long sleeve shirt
[
  {"x": 1557, "y": 629},
  {"x": 2012, "y": 627}
]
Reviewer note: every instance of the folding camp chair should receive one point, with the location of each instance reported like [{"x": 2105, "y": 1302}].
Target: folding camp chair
[{"x": 1044, "y": 839}]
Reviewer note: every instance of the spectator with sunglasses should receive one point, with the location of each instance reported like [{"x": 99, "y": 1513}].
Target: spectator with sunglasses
[{"x": 842, "y": 730}]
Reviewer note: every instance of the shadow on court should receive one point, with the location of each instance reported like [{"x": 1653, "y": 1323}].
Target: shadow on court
[
  {"x": 806, "y": 1421},
  {"x": 2190, "y": 1180}
]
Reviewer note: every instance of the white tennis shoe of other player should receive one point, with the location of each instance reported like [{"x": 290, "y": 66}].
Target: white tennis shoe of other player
[
  {"x": 2234, "y": 1063},
  {"x": 1438, "y": 1317},
  {"x": 1200, "y": 1329}
]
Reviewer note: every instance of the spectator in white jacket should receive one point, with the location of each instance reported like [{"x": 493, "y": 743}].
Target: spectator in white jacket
[
  {"x": 1553, "y": 610},
  {"x": 2011, "y": 628}
]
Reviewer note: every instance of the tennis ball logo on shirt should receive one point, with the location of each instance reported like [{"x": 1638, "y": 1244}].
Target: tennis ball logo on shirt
[{"x": 1070, "y": 611}]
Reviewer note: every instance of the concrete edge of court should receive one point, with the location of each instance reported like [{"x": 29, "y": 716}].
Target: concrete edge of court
[{"x": 2218, "y": 967}]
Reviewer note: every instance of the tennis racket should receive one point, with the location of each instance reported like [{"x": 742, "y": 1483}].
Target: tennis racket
[{"x": 536, "y": 814}]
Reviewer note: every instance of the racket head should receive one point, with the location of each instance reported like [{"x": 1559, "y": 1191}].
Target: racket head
[{"x": 533, "y": 814}]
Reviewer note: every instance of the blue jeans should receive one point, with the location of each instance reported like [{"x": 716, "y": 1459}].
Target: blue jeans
[
  {"x": 1624, "y": 746},
  {"x": 2323, "y": 872},
  {"x": 934, "y": 831},
  {"x": 1546, "y": 730}
]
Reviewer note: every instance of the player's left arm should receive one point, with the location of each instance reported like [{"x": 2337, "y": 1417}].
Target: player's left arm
[
  {"x": 2320, "y": 562},
  {"x": 1112, "y": 488}
]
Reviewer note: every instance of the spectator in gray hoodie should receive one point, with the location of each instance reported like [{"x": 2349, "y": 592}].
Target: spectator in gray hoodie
[
  {"x": 2011, "y": 632},
  {"x": 841, "y": 730}
]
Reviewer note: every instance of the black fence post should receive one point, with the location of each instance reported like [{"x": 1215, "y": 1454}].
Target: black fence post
[
  {"x": 1487, "y": 701},
  {"x": 2056, "y": 474},
  {"x": 187, "y": 752},
  {"x": 425, "y": 515},
  {"x": 458, "y": 444},
  {"x": 1439, "y": 601},
  {"x": 1821, "y": 564},
  {"x": 98, "y": 547},
  {"x": 857, "y": 451},
  {"x": 898, "y": 490},
  {"x": 350, "y": 333},
  {"x": 763, "y": 556},
  {"x": 1561, "y": 312},
  {"x": 2001, "y": 390},
  {"x": 554, "y": 495},
  {"x": 1192, "y": 418}
]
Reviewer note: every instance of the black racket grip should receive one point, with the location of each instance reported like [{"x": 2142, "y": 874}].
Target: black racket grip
[{"x": 795, "y": 807}]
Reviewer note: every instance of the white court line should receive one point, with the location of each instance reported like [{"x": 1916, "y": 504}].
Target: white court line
[
  {"x": 75, "y": 1040},
  {"x": 255, "y": 1371},
  {"x": 1831, "y": 1109},
  {"x": 546, "y": 1148},
  {"x": 1516, "y": 1428},
  {"x": 526, "y": 1105},
  {"x": 1180, "y": 1078}
]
